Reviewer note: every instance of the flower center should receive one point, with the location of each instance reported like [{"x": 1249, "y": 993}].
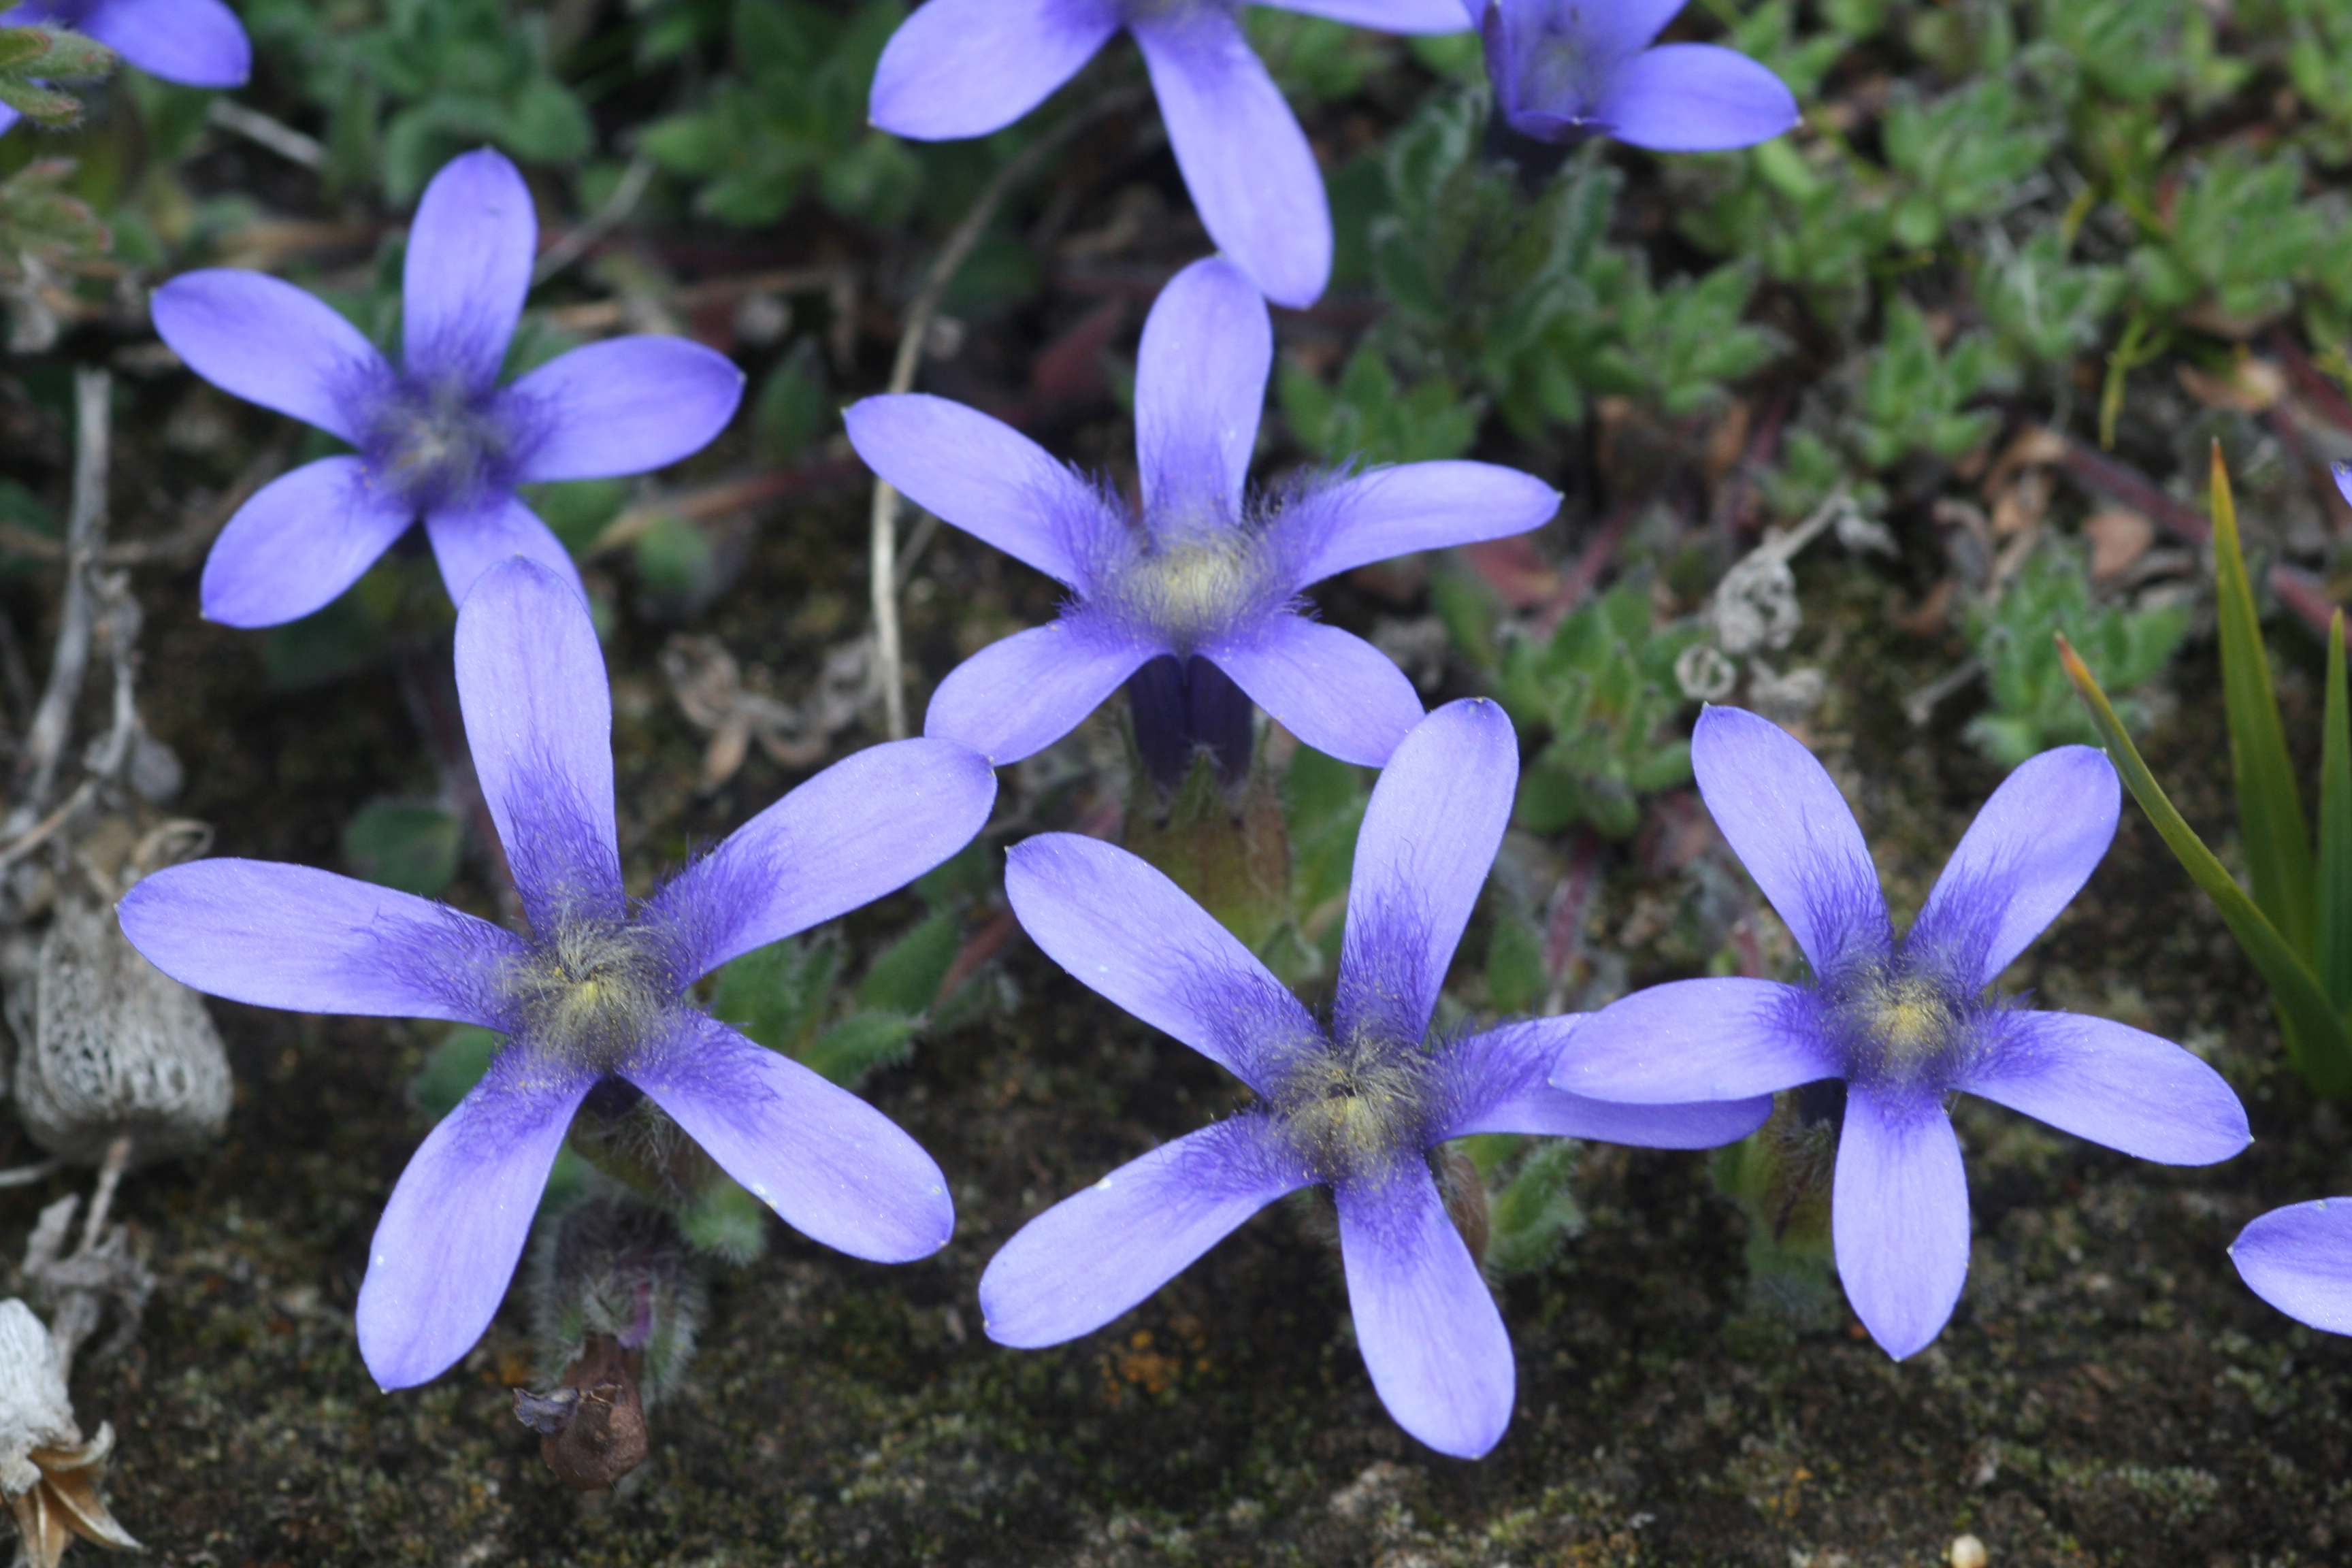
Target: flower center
[
  {"x": 1354, "y": 1111},
  {"x": 438, "y": 443},
  {"x": 1902, "y": 1025},
  {"x": 592, "y": 993}
]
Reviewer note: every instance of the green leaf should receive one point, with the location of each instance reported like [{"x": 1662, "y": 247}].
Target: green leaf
[
  {"x": 2315, "y": 1038},
  {"x": 2335, "y": 952},
  {"x": 2269, "y": 809},
  {"x": 726, "y": 1221},
  {"x": 777, "y": 994},
  {"x": 860, "y": 1043},
  {"x": 408, "y": 845},
  {"x": 1534, "y": 1214},
  {"x": 907, "y": 976}
]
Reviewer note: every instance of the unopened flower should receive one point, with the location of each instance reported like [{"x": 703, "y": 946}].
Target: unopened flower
[
  {"x": 1568, "y": 69},
  {"x": 965, "y": 68},
  {"x": 197, "y": 43},
  {"x": 1902, "y": 1023},
  {"x": 437, "y": 438},
  {"x": 1196, "y": 592},
  {"x": 593, "y": 996},
  {"x": 1359, "y": 1107},
  {"x": 47, "y": 1473}
]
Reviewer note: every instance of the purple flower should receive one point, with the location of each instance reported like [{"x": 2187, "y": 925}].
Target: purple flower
[
  {"x": 437, "y": 438},
  {"x": 1197, "y": 589},
  {"x": 2299, "y": 1259},
  {"x": 1902, "y": 1023},
  {"x": 593, "y": 997},
  {"x": 965, "y": 68},
  {"x": 195, "y": 42},
  {"x": 1356, "y": 1108},
  {"x": 1567, "y": 70}
]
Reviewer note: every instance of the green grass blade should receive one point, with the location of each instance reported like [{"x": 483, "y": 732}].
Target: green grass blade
[
  {"x": 2335, "y": 955},
  {"x": 2315, "y": 1038},
  {"x": 2270, "y": 808}
]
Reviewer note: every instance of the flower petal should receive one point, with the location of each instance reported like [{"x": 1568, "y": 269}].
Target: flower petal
[
  {"x": 1499, "y": 1083},
  {"x": 469, "y": 257},
  {"x": 2022, "y": 860},
  {"x": 1019, "y": 695},
  {"x": 1100, "y": 1251},
  {"x": 1428, "y": 838},
  {"x": 1899, "y": 1218},
  {"x": 469, "y": 540},
  {"x": 198, "y": 43},
  {"x": 447, "y": 1244},
  {"x": 2110, "y": 1083},
  {"x": 2299, "y": 1259},
  {"x": 1245, "y": 161},
  {"x": 1594, "y": 33},
  {"x": 980, "y": 474},
  {"x": 1200, "y": 387},
  {"x": 298, "y": 541},
  {"x": 834, "y": 1168},
  {"x": 623, "y": 406},
  {"x": 1794, "y": 832},
  {"x": 865, "y": 827},
  {"x": 965, "y": 68},
  {"x": 1436, "y": 1348},
  {"x": 1699, "y": 1039},
  {"x": 1387, "y": 512},
  {"x": 1387, "y": 15},
  {"x": 292, "y": 936},
  {"x": 538, "y": 722},
  {"x": 1333, "y": 689},
  {"x": 262, "y": 339},
  {"x": 1694, "y": 98},
  {"x": 1129, "y": 934}
]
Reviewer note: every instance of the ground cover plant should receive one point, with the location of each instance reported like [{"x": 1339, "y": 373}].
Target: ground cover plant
[{"x": 911, "y": 983}]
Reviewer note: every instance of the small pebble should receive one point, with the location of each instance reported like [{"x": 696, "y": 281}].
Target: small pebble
[{"x": 1967, "y": 1551}]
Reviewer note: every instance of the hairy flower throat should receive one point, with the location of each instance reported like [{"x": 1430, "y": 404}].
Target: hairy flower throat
[{"x": 593, "y": 992}]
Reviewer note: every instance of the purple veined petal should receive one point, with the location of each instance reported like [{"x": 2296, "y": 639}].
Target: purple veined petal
[
  {"x": 8, "y": 118},
  {"x": 1019, "y": 695},
  {"x": 1133, "y": 937},
  {"x": 262, "y": 339},
  {"x": 1694, "y": 98},
  {"x": 1793, "y": 830},
  {"x": 447, "y": 1244},
  {"x": 1601, "y": 34},
  {"x": 980, "y": 474},
  {"x": 1899, "y": 1218},
  {"x": 2109, "y": 1083},
  {"x": 965, "y": 68},
  {"x": 470, "y": 250},
  {"x": 622, "y": 406},
  {"x": 296, "y": 937},
  {"x": 1331, "y": 688},
  {"x": 867, "y": 825},
  {"x": 2343, "y": 472},
  {"x": 1200, "y": 387},
  {"x": 538, "y": 722},
  {"x": 2022, "y": 860},
  {"x": 298, "y": 541},
  {"x": 196, "y": 42},
  {"x": 1388, "y": 513},
  {"x": 1436, "y": 1348},
  {"x": 1699, "y": 1039},
  {"x": 2299, "y": 1259},
  {"x": 469, "y": 540},
  {"x": 834, "y": 1169},
  {"x": 1386, "y": 16},
  {"x": 1099, "y": 1252},
  {"x": 1499, "y": 1083},
  {"x": 1428, "y": 838},
  {"x": 1245, "y": 161}
]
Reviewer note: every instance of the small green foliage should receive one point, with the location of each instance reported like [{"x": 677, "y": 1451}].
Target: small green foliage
[
  {"x": 786, "y": 996},
  {"x": 1323, "y": 802},
  {"x": 2044, "y": 310},
  {"x": 2237, "y": 235},
  {"x": 1674, "y": 348},
  {"x": 1911, "y": 394},
  {"x": 725, "y": 1222},
  {"x": 793, "y": 407},
  {"x": 410, "y": 845},
  {"x": 1817, "y": 226},
  {"x": 34, "y": 60},
  {"x": 1960, "y": 155},
  {"x": 1367, "y": 418},
  {"x": 2033, "y": 706},
  {"x": 1515, "y": 974},
  {"x": 1531, "y": 1213},
  {"x": 1312, "y": 56},
  {"x": 1602, "y": 689},
  {"x": 792, "y": 114}
]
